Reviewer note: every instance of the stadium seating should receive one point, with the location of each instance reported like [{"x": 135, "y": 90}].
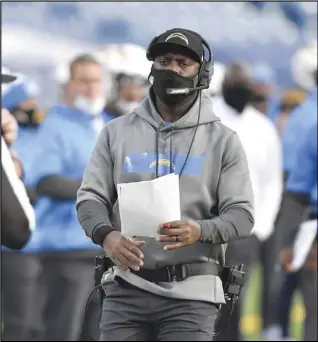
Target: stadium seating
[{"x": 237, "y": 31}]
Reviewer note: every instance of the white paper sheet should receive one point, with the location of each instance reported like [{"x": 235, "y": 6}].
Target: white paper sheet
[
  {"x": 144, "y": 205},
  {"x": 304, "y": 240}
]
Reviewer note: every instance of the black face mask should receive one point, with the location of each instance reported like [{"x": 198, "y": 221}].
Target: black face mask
[
  {"x": 237, "y": 95},
  {"x": 164, "y": 79},
  {"x": 31, "y": 117}
]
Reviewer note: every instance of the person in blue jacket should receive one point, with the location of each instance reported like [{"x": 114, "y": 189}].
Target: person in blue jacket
[
  {"x": 21, "y": 269},
  {"x": 301, "y": 195},
  {"x": 298, "y": 124},
  {"x": 64, "y": 146}
]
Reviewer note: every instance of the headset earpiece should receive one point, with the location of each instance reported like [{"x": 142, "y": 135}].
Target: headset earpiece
[{"x": 207, "y": 66}]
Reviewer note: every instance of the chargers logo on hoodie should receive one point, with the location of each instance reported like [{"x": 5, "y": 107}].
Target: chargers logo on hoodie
[
  {"x": 165, "y": 162},
  {"x": 146, "y": 163}
]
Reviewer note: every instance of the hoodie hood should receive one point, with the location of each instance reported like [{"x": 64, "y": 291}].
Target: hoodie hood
[{"x": 149, "y": 113}]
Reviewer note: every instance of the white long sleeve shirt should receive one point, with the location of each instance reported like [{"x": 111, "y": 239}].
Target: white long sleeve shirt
[{"x": 262, "y": 146}]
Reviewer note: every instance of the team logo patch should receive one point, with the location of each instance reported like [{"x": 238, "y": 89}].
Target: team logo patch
[
  {"x": 165, "y": 162},
  {"x": 178, "y": 35}
]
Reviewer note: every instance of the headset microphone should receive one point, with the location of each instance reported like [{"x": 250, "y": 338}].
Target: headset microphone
[{"x": 184, "y": 91}]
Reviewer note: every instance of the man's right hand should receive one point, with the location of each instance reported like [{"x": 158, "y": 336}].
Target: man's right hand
[
  {"x": 286, "y": 257},
  {"x": 124, "y": 251}
]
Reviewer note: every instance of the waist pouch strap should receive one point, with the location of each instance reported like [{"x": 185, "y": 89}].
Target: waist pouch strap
[{"x": 178, "y": 272}]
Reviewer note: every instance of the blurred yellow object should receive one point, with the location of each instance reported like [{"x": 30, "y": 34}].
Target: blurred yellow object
[
  {"x": 298, "y": 314},
  {"x": 39, "y": 116},
  {"x": 250, "y": 324},
  {"x": 293, "y": 97}
]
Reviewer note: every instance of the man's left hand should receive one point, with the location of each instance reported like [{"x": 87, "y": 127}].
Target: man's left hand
[{"x": 181, "y": 233}]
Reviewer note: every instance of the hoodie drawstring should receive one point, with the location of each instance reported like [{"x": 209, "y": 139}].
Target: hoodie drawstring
[
  {"x": 171, "y": 138},
  {"x": 171, "y": 168},
  {"x": 157, "y": 152},
  {"x": 193, "y": 137}
]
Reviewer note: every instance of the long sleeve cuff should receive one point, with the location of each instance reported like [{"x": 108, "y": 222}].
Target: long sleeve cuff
[
  {"x": 94, "y": 219},
  {"x": 233, "y": 224},
  {"x": 100, "y": 233}
]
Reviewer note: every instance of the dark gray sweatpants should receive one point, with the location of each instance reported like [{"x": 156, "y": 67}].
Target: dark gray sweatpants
[{"x": 131, "y": 314}]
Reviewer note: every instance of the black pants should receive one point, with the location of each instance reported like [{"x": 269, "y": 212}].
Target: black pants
[
  {"x": 44, "y": 295},
  {"x": 272, "y": 276},
  {"x": 306, "y": 281},
  {"x": 131, "y": 314},
  {"x": 286, "y": 293}
]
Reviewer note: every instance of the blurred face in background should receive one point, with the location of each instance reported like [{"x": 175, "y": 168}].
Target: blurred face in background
[
  {"x": 236, "y": 87},
  {"x": 85, "y": 88},
  {"x": 131, "y": 90}
]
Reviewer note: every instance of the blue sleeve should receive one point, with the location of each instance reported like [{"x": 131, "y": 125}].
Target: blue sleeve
[
  {"x": 303, "y": 175},
  {"x": 47, "y": 157}
]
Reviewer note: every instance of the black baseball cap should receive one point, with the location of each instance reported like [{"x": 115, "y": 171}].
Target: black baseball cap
[
  {"x": 6, "y": 78},
  {"x": 178, "y": 40}
]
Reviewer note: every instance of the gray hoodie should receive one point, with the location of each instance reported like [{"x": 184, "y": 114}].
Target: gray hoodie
[{"x": 215, "y": 188}]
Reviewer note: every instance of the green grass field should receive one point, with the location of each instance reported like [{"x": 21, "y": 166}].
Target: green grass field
[{"x": 251, "y": 320}]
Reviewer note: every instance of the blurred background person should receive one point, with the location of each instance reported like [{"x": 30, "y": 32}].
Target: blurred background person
[
  {"x": 301, "y": 121},
  {"x": 296, "y": 123},
  {"x": 301, "y": 196},
  {"x": 17, "y": 215},
  {"x": 64, "y": 144},
  {"x": 129, "y": 70},
  {"x": 22, "y": 269},
  {"x": 262, "y": 147}
]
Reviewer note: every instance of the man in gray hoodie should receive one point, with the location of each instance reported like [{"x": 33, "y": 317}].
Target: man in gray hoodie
[{"x": 168, "y": 288}]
